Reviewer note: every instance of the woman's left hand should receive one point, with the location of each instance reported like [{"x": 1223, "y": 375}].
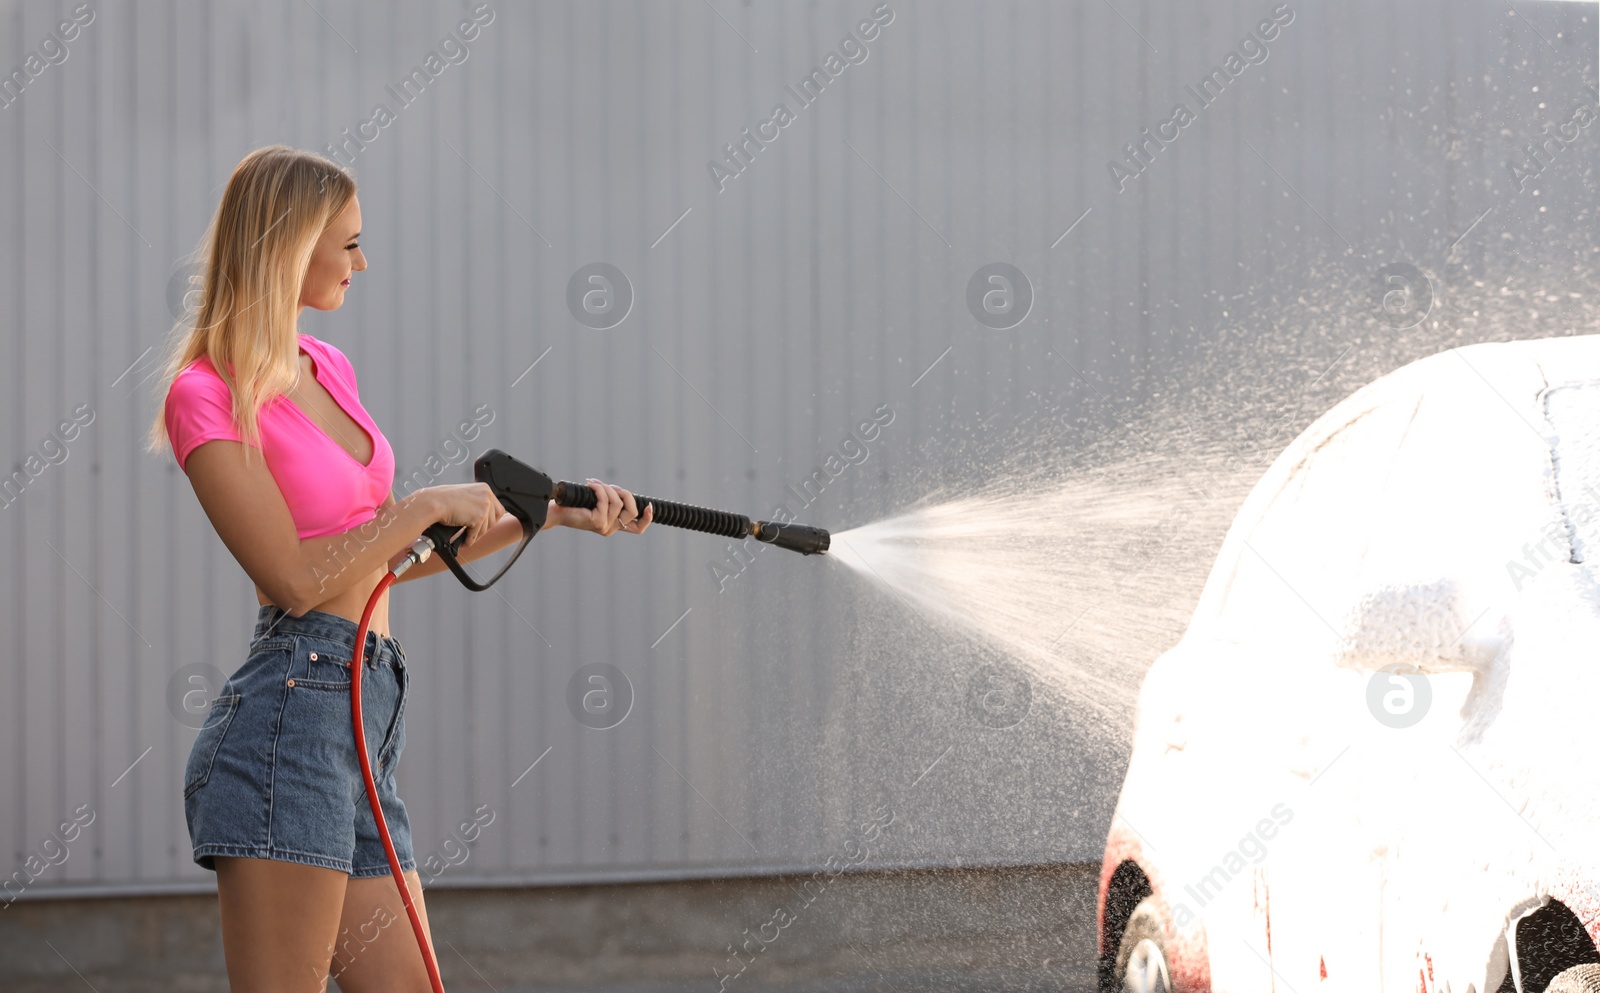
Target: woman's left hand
[{"x": 614, "y": 510}]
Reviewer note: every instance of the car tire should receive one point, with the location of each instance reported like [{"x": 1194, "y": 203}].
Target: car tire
[
  {"x": 1141, "y": 965},
  {"x": 1578, "y": 979}
]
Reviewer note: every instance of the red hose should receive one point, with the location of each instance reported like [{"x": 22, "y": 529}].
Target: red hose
[{"x": 356, "y": 665}]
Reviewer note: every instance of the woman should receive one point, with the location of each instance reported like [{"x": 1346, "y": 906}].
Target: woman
[{"x": 273, "y": 793}]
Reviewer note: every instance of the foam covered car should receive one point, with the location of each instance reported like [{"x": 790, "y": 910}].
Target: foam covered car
[{"x": 1365, "y": 765}]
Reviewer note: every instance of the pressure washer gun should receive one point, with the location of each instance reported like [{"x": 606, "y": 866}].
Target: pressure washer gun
[{"x": 526, "y": 493}]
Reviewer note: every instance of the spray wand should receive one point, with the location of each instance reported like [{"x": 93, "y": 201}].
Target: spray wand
[{"x": 525, "y": 493}]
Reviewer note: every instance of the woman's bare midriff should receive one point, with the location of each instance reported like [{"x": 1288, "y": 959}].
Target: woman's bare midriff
[{"x": 352, "y": 602}]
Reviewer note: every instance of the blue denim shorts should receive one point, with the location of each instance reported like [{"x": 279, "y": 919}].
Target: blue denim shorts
[{"x": 273, "y": 772}]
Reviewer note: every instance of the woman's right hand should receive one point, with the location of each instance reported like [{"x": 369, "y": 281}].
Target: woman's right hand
[{"x": 470, "y": 505}]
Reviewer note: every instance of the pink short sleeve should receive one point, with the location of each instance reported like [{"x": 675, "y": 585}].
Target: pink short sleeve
[
  {"x": 198, "y": 409},
  {"x": 341, "y": 365}
]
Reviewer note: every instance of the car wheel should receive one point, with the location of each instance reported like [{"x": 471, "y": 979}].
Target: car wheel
[
  {"x": 1142, "y": 954},
  {"x": 1578, "y": 979}
]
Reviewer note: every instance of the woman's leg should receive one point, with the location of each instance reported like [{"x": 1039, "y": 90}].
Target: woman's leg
[
  {"x": 279, "y": 922},
  {"x": 377, "y": 950}
]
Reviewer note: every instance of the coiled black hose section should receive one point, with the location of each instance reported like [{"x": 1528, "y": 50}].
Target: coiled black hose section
[{"x": 678, "y": 515}]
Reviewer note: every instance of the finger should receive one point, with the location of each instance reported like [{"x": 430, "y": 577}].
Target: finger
[
  {"x": 623, "y": 516},
  {"x": 630, "y": 509},
  {"x": 613, "y": 508},
  {"x": 648, "y": 516},
  {"x": 603, "y": 513}
]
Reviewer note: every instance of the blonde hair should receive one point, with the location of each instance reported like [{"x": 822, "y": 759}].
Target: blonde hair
[{"x": 254, "y": 256}]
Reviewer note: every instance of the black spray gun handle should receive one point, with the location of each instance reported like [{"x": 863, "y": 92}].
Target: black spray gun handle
[
  {"x": 521, "y": 489},
  {"x": 526, "y": 493}
]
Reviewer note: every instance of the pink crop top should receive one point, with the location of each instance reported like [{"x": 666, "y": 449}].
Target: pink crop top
[{"x": 327, "y": 490}]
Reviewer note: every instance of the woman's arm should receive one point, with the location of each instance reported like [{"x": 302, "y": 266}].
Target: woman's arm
[
  {"x": 507, "y": 531},
  {"x": 250, "y": 515}
]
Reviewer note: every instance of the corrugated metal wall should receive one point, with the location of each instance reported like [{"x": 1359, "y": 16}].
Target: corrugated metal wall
[{"x": 827, "y": 280}]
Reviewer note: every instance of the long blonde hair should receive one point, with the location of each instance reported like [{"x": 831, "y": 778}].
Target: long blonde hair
[{"x": 254, "y": 257}]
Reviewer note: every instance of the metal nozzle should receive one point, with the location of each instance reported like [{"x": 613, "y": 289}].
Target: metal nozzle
[
  {"x": 802, "y": 538},
  {"x": 417, "y": 554}
]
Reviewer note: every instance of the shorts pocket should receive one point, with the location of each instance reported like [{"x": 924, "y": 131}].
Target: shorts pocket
[
  {"x": 204, "y": 750},
  {"x": 316, "y": 668}
]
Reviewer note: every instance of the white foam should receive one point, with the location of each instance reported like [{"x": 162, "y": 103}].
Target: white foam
[{"x": 1397, "y": 530}]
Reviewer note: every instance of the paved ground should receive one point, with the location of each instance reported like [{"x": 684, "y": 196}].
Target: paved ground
[
  {"x": 977, "y": 981},
  {"x": 1020, "y": 929}
]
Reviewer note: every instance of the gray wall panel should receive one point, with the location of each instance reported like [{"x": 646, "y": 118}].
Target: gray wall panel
[{"x": 772, "y": 318}]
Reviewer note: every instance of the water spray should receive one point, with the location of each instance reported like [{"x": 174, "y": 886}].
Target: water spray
[{"x": 525, "y": 493}]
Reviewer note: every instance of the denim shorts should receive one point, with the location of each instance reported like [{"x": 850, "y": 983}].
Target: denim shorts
[{"x": 273, "y": 772}]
